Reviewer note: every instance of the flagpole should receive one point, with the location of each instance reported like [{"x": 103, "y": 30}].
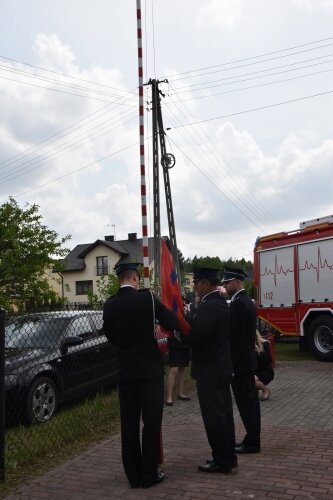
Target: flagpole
[
  {"x": 143, "y": 171},
  {"x": 145, "y": 250}
]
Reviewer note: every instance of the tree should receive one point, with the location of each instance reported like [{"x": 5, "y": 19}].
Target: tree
[
  {"x": 211, "y": 262},
  {"x": 217, "y": 263},
  {"x": 108, "y": 286},
  {"x": 181, "y": 261},
  {"x": 27, "y": 249}
]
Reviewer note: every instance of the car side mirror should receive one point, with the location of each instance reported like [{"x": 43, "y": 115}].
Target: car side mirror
[{"x": 70, "y": 342}]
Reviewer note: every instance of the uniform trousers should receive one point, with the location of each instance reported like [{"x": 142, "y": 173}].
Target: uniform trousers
[
  {"x": 143, "y": 397},
  {"x": 217, "y": 414},
  {"x": 246, "y": 397}
]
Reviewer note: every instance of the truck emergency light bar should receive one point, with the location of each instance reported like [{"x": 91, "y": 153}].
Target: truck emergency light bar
[{"x": 306, "y": 226}]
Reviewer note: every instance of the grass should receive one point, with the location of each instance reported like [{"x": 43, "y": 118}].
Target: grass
[
  {"x": 290, "y": 351},
  {"x": 32, "y": 450}
]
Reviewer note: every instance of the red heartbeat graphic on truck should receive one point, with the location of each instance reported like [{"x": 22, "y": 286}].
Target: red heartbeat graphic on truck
[
  {"x": 321, "y": 264},
  {"x": 276, "y": 271}
]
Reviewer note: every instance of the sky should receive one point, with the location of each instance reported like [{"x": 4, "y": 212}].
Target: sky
[{"x": 247, "y": 110}]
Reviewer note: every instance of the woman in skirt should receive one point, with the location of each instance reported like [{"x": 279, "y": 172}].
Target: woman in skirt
[
  {"x": 179, "y": 359},
  {"x": 264, "y": 373}
]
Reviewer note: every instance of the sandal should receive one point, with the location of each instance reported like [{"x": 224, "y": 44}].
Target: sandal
[{"x": 264, "y": 398}]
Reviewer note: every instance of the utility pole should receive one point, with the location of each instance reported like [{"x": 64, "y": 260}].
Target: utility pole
[
  {"x": 167, "y": 161},
  {"x": 156, "y": 185}
]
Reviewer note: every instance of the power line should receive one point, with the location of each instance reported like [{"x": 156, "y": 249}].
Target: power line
[
  {"x": 55, "y": 90},
  {"x": 46, "y": 158},
  {"x": 218, "y": 189},
  {"x": 235, "y": 185},
  {"x": 61, "y": 74},
  {"x": 51, "y": 80},
  {"x": 253, "y": 109},
  {"x": 103, "y": 110},
  {"x": 253, "y": 57},
  {"x": 197, "y": 147},
  {"x": 153, "y": 29},
  {"x": 187, "y": 87},
  {"x": 253, "y": 86},
  {"x": 77, "y": 170}
]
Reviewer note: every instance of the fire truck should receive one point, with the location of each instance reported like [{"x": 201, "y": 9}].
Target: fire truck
[{"x": 293, "y": 276}]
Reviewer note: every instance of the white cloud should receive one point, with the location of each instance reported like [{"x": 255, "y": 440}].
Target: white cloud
[
  {"x": 264, "y": 191},
  {"x": 88, "y": 218},
  {"x": 57, "y": 133},
  {"x": 233, "y": 180},
  {"x": 313, "y": 4},
  {"x": 222, "y": 13},
  {"x": 53, "y": 53}
]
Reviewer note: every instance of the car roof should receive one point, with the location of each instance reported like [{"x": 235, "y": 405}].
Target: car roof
[{"x": 58, "y": 314}]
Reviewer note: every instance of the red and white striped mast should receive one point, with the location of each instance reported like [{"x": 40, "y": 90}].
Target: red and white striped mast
[{"x": 142, "y": 152}]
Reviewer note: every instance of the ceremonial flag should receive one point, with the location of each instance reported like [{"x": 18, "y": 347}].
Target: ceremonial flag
[{"x": 171, "y": 296}]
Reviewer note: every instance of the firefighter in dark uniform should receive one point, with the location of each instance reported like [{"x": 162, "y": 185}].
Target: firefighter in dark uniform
[
  {"x": 212, "y": 369},
  {"x": 242, "y": 339},
  {"x": 129, "y": 325}
]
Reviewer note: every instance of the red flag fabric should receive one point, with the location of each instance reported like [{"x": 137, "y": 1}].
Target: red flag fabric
[{"x": 171, "y": 296}]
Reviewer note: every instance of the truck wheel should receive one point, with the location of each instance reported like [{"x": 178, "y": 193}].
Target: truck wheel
[
  {"x": 321, "y": 338},
  {"x": 41, "y": 401}
]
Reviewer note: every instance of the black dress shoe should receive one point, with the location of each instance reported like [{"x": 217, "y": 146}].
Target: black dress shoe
[
  {"x": 160, "y": 476},
  {"x": 214, "y": 467},
  {"x": 243, "y": 448},
  {"x": 234, "y": 462}
]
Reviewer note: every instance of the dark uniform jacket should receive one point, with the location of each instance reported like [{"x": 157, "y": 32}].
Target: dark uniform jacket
[
  {"x": 209, "y": 339},
  {"x": 129, "y": 324},
  {"x": 243, "y": 333}
]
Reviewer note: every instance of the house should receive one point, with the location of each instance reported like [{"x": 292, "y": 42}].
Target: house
[
  {"x": 54, "y": 280},
  {"x": 88, "y": 262},
  {"x": 188, "y": 284}
]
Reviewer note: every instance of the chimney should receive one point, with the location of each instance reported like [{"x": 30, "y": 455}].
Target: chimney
[
  {"x": 109, "y": 238},
  {"x": 132, "y": 236}
]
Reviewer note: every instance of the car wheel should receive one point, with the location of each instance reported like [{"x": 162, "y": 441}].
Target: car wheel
[
  {"x": 42, "y": 400},
  {"x": 321, "y": 338}
]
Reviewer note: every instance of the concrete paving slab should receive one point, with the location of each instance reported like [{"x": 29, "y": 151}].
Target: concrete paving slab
[{"x": 296, "y": 461}]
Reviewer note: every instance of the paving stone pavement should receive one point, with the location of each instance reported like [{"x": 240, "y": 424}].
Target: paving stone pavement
[{"x": 296, "y": 461}]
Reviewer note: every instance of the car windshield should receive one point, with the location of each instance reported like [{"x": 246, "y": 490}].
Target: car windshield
[{"x": 39, "y": 333}]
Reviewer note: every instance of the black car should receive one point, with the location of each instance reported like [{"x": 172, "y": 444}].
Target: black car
[{"x": 54, "y": 357}]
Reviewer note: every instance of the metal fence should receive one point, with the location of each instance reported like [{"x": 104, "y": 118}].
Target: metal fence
[{"x": 59, "y": 374}]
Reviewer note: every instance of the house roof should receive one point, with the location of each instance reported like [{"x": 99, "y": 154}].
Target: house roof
[
  {"x": 71, "y": 262},
  {"x": 110, "y": 244},
  {"x": 133, "y": 249},
  {"x": 128, "y": 250}
]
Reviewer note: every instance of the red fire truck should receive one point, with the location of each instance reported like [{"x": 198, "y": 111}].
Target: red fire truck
[{"x": 293, "y": 276}]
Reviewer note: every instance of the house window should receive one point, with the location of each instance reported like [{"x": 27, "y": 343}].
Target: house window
[
  {"x": 102, "y": 267},
  {"x": 83, "y": 287}
]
